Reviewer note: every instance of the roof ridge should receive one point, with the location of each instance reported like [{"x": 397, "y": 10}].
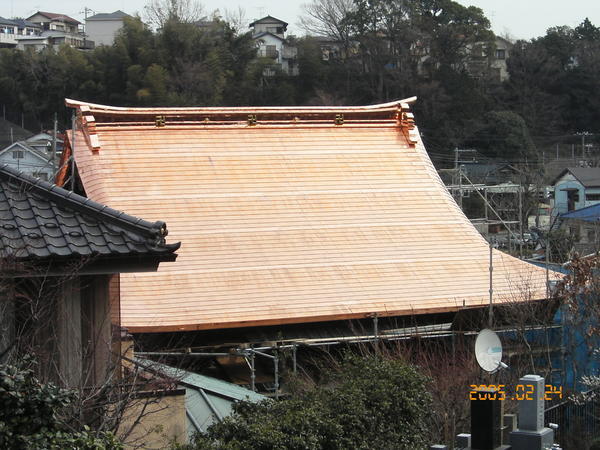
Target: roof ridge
[{"x": 156, "y": 230}]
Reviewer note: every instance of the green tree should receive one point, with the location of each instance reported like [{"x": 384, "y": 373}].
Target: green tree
[
  {"x": 366, "y": 403},
  {"x": 35, "y": 415},
  {"x": 505, "y": 135}
]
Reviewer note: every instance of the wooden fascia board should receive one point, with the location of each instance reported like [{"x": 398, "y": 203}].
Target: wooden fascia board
[
  {"x": 79, "y": 266},
  {"x": 302, "y": 320}
]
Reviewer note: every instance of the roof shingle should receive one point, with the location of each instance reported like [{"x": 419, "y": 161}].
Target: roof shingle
[{"x": 289, "y": 215}]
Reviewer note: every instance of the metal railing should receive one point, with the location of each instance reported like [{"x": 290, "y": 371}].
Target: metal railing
[{"x": 575, "y": 417}]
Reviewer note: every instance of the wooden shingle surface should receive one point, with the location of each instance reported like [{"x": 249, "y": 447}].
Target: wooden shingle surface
[{"x": 290, "y": 221}]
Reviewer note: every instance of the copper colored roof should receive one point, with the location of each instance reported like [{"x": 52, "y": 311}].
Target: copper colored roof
[{"x": 288, "y": 215}]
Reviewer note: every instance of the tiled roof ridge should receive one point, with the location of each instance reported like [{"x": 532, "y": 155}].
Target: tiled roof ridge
[
  {"x": 397, "y": 113},
  {"x": 95, "y": 107},
  {"x": 156, "y": 231}
]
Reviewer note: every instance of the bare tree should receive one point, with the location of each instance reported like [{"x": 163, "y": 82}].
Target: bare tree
[
  {"x": 326, "y": 18},
  {"x": 237, "y": 19},
  {"x": 158, "y": 12}
]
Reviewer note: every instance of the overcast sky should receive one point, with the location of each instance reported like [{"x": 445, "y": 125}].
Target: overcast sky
[{"x": 523, "y": 19}]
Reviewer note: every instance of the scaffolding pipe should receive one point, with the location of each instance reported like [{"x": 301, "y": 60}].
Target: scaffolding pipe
[
  {"x": 252, "y": 373},
  {"x": 294, "y": 364},
  {"x": 376, "y": 326},
  {"x": 183, "y": 354},
  {"x": 491, "y": 311},
  {"x": 276, "y": 368}
]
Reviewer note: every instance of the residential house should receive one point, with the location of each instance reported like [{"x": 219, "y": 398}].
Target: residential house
[
  {"x": 103, "y": 28},
  {"x": 499, "y": 57},
  {"x": 295, "y": 220},
  {"x": 61, "y": 255},
  {"x": 269, "y": 35},
  {"x": 576, "y": 188},
  {"x": 44, "y": 141},
  {"x": 8, "y": 33},
  {"x": 207, "y": 400},
  {"x": 27, "y": 28},
  {"x": 490, "y": 172},
  {"x": 31, "y": 161},
  {"x": 56, "y": 30}
]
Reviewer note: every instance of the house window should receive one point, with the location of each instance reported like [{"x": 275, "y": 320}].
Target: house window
[
  {"x": 271, "y": 51},
  {"x": 591, "y": 235},
  {"x": 500, "y": 54},
  {"x": 17, "y": 154},
  {"x": 592, "y": 197}
]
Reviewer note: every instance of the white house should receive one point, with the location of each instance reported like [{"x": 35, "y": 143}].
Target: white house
[
  {"x": 56, "y": 30},
  {"x": 8, "y": 33},
  {"x": 269, "y": 35},
  {"x": 28, "y": 160},
  {"x": 37, "y": 43},
  {"x": 43, "y": 142},
  {"x": 102, "y": 28}
]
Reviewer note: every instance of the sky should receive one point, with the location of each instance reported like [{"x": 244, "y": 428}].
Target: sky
[{"x": 519, "y": 19}]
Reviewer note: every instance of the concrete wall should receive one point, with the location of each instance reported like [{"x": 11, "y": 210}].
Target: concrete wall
[
  {"x": 160, "y": 420},
  {"x": 103, "y": 32}
]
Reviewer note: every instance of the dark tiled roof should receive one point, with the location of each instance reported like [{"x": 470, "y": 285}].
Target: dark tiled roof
[
  {"x": 40, "y": 220},
  {"x": 587, "y": 176},
  {"x": 4, "y": 21},
  {"x": 109, "y": 16},
  {"x": 268, "y": 19},
  {"x": 22, "y": 23}
]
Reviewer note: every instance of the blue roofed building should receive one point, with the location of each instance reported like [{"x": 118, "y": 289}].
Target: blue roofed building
[
  {"x": 207, "y": 400},
  {"x": 576, "y": 188},
  {"x": 583, "y": 225}
]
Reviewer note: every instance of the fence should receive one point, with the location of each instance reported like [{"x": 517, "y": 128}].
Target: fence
[{"x": 575, "y": 419}]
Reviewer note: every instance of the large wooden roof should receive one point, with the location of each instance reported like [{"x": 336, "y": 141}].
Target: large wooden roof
[{"x": 288, "y": 215}]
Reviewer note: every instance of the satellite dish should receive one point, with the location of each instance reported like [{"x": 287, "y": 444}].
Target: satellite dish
[{"x": 488, "y": 351}]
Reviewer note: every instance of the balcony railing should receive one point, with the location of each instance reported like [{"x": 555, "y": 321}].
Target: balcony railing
[{"x": 6, "y": 38}]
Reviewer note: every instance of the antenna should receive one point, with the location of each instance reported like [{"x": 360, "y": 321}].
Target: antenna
[{"x": 488, "y": 351}]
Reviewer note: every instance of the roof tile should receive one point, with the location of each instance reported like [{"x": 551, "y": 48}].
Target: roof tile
[{"x": 41, "y": 220}]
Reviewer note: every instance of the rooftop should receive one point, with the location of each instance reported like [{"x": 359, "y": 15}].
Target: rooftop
[
  {"x": 587, "y": 176},
  {"x": 40, "y": 221},
  {"x": 116, "y": 15},
  {"x": 268, "y": 19},
  {"x": 289, "y": 215},
  {"x": 56, "y": 16}
]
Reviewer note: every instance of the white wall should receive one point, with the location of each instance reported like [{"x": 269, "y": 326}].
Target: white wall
[
  {"x": 103, "y": 32},
  {"x": 29, "y": 164}
]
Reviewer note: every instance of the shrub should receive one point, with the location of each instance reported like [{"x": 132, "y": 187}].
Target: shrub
[{"x": 365, "y": 403}]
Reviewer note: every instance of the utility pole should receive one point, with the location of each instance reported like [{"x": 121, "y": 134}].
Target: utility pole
[
  {"x": 583, "y": 134},
  {"x": 458, "y": 169},
  {"x": 521, "y": 220},
  {"x": 85, "y": 12}
]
